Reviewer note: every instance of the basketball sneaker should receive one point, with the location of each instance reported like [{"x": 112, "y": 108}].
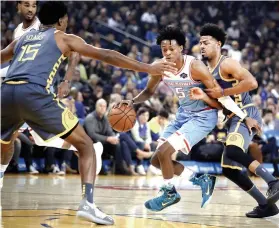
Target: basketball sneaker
[
  {"x": 89, "y": 212},
  {"x": 207, "y": 184},
  {"x": 167, "y": 197},
  {"x": 273, "y": 193},
  {"x": 263, "y": 211}
]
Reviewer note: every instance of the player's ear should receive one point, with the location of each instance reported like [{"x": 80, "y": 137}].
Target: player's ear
[
  {"x": 219, "y": 43},
  {"x": 59, "y": 22},
  {"x": 181, "y": 48}
]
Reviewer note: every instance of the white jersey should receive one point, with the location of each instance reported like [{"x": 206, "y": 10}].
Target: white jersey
[
  {"x": 19, "y": 31},
  {"x": 182, "y": 82}
]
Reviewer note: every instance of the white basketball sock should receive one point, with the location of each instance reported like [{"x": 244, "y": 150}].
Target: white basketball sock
[
  {"x": 3, "y": 168},
  {"x": 187, "y": 173}
]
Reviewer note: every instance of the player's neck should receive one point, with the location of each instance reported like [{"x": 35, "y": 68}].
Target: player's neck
[
  {"x": 27, "y": 24},
  {"x": 180, "y": 62},
  {"x": 214, "y": 61}
]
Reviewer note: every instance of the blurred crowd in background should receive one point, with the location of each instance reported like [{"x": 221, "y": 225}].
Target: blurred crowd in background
[{"x": 131, "y": 28}]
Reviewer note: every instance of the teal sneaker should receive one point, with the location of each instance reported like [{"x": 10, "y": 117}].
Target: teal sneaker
[
  {"x": 207, "y": 184},
  {"x": 168, "y": 196}
]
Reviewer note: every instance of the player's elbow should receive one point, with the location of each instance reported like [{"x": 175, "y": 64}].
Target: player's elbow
[{"x": 253, "y": 84}]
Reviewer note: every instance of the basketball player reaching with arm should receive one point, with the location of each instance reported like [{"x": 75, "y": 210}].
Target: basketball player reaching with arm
[
  {"x": 26, "y": 95},
  {"x": 27, "y": 11},
  {"x": 235, "y": 81}
]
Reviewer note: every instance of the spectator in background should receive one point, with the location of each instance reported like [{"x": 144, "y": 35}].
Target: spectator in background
[
  {"x": 233, "y": 31},
  {"x": 234, "y": 53},
  {"x": 157, "y": 124},
  {"x": 268, "y": 120},
  {"x": 99, "y": 130}
]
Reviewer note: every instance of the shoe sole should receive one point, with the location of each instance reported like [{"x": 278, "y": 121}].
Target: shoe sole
[
  {"x": 273, "y": 199},
  {"x": 262, "y": 216},
  {"x": 209, "y": 199},
  {"x": 90, "y": 218}
]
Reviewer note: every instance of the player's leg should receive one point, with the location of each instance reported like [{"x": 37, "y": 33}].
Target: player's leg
[
  {"x": 52, "y": 120},
  {"x": 237, "y": 144},
  {"x": 182, "y": 140},
  {"x": 10, "y": 122},
  {"x": 241, "y": 179}
]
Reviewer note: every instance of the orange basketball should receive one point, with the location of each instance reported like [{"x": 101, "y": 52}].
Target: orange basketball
[{"x": 122, "y": 118}]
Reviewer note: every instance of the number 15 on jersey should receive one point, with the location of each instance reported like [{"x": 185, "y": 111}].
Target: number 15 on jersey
[{"x": 29, "y": 52}]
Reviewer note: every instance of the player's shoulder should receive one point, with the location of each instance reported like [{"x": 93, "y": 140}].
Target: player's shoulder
[{"x": 229, "y": 63}]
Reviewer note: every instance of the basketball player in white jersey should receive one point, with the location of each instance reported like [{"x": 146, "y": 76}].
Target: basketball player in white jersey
[{"x": 195, "y": 119}]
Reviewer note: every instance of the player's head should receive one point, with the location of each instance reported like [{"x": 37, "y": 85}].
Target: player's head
[
  {"x": 54, "y": 13},
  {"x": 27, "y": 9},
  {"x": 212, "y": 38},
  {"x": 172, "y": 42}
]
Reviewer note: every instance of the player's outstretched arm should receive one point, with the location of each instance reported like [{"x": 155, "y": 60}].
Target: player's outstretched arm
[
  {"x": 8, "y": 52},
  {"x": 77, "y": 44},
  {"x": 247, "y": 81}
]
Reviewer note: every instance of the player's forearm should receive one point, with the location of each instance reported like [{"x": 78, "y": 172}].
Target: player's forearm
[
  {"x": 229, "y": 104},
  {"x": 212, "y": 102},
  {"x": 142, "y": 96},
  {"x": 242, "y": 87},
  {"x": 117, "y": 59}
]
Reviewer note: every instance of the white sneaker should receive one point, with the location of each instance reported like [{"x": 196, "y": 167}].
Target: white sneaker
[
  {"x": 57, "y": 171},
  {"x": 140, "y": 170},
  {"x": 32, "y": 170},
  {"x": 152, "y": 170},
  {"x": 91, "y": 213},
  {"x": 98, "y": 147}
]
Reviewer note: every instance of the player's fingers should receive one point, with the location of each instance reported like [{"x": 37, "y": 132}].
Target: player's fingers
[{"x": 250, "y": 130}]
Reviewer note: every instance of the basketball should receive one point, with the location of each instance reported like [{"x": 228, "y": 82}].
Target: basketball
[{"x": 122, "y": 118}]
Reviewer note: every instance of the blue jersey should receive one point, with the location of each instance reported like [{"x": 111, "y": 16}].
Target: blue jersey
[
  {"x": 242, "y": 99},
  {"x": 181, "y": 83},
  {"x": 36, "y": 58}
]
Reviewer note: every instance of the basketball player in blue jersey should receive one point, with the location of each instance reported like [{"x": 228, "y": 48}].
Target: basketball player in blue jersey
[
  {"x": 235, "y": 81},
  {"x": 26, "y": 95}
]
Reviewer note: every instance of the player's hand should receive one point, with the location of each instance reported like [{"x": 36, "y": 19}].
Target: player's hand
[
  {"x": 159, "y": 67},
  {"x": 113, "y": 140},
  {"x": 216, "y": 91},
  {"x": 197, "y": 94},
  {"x": 129, "y": 103},
  {"x": 63, "y": 89},
  {"x": 253, "y": 124}
]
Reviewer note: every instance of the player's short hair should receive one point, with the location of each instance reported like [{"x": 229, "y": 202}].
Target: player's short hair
[
  {"x": 171, "y": 32},
  {"x": 163, "y": 113},
  {"x": 51, "y": 11},
  {"x": 214, "y": 31}
]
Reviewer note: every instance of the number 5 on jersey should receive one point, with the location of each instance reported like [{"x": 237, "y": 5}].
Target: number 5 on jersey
[
  {"x": 180, "y": 93},
  {"x": 29, "y": 52}
]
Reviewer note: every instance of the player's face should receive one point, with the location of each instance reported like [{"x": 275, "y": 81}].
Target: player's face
[
  {"x": 28, "y": 9},
  {"x": 209, "y": 47},
  {"x": 171, "y": 50}
]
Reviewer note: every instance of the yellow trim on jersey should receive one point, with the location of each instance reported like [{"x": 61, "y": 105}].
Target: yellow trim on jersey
[
  {"x": 225, "y": 79},
  {"x": 211, "y": 71},
  {"x": 4, "y": 142},
  {"x": 15, "y": 82},
  {"x": 53, "y": 72}
]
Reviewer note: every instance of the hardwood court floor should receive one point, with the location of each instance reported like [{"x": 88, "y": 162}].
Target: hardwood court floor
[{"x": 51, "y": 201}]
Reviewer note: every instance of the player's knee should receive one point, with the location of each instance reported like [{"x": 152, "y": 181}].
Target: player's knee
[
  {"x": 84, "y": 143},
  {"x": 165, "y": 150}
]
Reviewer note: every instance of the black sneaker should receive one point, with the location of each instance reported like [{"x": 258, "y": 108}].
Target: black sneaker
[
  {"x": 273, "y": 193},
  {"x": 263, "y": 211}
]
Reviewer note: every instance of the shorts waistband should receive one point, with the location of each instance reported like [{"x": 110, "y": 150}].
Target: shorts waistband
[{"x": 16, "y": 82}]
